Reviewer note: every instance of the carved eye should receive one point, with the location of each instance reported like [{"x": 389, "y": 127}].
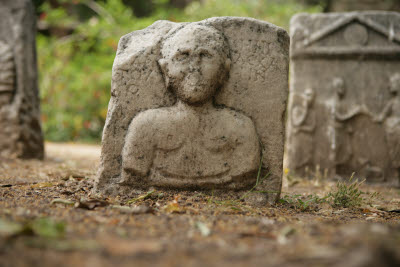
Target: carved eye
[
  {"x": 205, "y": 54},
  {"x": 183, "y": 55}
]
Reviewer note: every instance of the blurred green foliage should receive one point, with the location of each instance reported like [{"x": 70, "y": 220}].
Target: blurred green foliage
[{"x": 76, "y": 56}]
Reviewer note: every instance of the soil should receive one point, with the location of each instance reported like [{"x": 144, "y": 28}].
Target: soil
[{"x": 50, "y": 217}]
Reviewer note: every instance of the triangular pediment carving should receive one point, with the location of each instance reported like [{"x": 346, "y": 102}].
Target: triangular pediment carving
[{"x": 352, "y": 35}]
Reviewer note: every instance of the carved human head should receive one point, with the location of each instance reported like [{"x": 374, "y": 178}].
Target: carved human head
[
  {"x": 309, "y": 95},
  {"x": 395, "y": 83},
  {"x": 195, "y": 62},
  {"x": 338, "y": 86}
]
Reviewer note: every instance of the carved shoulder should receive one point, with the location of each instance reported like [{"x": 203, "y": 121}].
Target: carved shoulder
[
  {"x": 246, "y": 142},
  {"x": 240, "y": 125},
  {"x": 148, "y": 121},
  {"x": 138, "y": 151}
]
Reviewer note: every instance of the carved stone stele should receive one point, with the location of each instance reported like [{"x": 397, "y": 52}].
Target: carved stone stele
[
  {"x": 351, "y": 62},
  {"x": 197, "y": 106},
  {"x": 20, "y": 131}
]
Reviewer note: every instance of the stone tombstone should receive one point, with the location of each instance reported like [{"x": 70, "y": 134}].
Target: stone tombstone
[
  {"x": 344, "y": 106},
  {"x": 197, "y": 106},
  {"x": 20, "y": 131}
]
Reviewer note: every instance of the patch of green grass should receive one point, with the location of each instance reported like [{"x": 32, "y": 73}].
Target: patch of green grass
[
  {"x": 302, "y": 203},
  {"x": 46, "y": 227},
  {"x": 41, "y": 227},
  {"x": 347, "y": 195}
]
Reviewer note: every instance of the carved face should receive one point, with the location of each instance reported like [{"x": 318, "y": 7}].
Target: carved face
[
  {"x": 338, "y": 86},
  {"x": 395, "y": 83},
  {"x": 195, "y": 63},
  {"x": 309, "y": 95}
]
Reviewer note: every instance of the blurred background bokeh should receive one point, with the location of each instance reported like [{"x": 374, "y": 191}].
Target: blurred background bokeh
[{"x": 77, "y": 41}]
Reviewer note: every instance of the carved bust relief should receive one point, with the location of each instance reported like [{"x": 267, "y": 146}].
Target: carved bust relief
[
  {"x": 192, "y": 143},
  {"x": 197, "y": 106}
]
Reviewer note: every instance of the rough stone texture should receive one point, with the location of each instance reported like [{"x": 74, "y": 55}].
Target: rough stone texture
[
  {"x": 20, "y": 131},
  {"x": 207, "y": 128},
  {"x": 344, "y": 106},
  {"x": 359, "y": 5}
]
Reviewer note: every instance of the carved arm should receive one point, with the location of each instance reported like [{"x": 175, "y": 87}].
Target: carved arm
[
  {"x": 385, "y": 112},
  {"x": 138, "y": 151}
]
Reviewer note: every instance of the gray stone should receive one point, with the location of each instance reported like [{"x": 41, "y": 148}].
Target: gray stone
[
  {"x": 197, "y": 106},
  {"x": 362, "y": 5},
  {"x": 344, "y": 106},
  {"x": 20, "y": 131}
]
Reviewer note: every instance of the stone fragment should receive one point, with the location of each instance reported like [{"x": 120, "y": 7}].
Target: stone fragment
[
  {"x": 344, "y": 106},
  {"x": 20, "y": 131},
  {"x": 197, "y": 106}
]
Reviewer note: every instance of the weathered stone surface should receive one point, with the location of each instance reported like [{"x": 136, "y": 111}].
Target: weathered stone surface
[
  {"x": 344, "y": 107},
  {"x": 197, "y": 106},
  {"x": 20, "y": 131},
  {"x": 362, "y": 5}
]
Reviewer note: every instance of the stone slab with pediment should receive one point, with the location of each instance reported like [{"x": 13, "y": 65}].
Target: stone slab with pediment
[
  {"x": 197, "y": 106},
  {"x": 20, "y": 131},
  {"x": 344, "y": 106}
]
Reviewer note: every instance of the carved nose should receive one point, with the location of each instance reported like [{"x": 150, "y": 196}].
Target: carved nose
[
  {"x": 195, "y": 66},
  {"x": 195, "y": 63}
]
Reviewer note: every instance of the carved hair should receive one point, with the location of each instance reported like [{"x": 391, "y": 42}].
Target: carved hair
[{"x": 224, "y": 48}]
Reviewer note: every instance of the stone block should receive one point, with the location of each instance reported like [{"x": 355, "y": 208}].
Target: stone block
[
  {"x": 344, "y": 106},
  {"x": 197, "y": 106}
]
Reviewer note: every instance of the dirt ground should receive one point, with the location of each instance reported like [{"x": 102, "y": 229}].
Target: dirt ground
[{"x": 49, "y": 217}]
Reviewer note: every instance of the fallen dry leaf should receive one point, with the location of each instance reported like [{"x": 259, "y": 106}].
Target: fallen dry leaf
[
  {"x": 90, "y": 204},
  {"x": 62, "y": 201},
  {"x": 141, "y": 209}
]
